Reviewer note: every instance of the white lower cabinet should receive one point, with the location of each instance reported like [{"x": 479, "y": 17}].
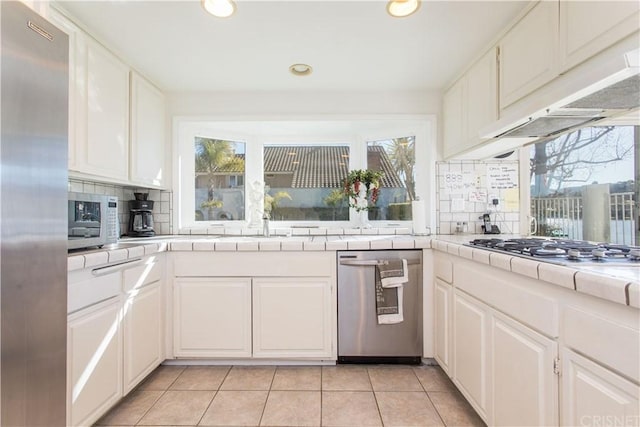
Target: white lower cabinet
[
  {"x": 212, "y": 317},
  {"x": 291, "y": 317},
  {"x": 524, "y": 385},
  {"x": 94, "y": 371},
  {"x": 252, "y": 317},
  {"x": 143, "y": 333},
  {"x": 470, "y": 350},
  {"x": 442, "y": 321},
  {"x": 594, "y": 395}
]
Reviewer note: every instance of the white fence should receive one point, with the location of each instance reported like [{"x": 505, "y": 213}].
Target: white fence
[{"x": 562, "y": 217}]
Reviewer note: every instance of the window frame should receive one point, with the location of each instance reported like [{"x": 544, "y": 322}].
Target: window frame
[{"x": 359, "y": 133}]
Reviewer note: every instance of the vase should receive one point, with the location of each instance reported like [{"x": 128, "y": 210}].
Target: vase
[{"x": 362, "y": 208}]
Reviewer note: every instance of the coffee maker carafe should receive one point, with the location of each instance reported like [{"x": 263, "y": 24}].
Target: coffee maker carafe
[{"x": 141, "y": 216}]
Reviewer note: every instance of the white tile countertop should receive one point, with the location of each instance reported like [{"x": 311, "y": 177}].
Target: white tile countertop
[
  {"x": 617, "y": 283},
  {"x": 620, "y": 284}
]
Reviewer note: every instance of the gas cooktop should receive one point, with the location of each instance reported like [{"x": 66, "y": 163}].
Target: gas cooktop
[{"x": 564, "y": 251}]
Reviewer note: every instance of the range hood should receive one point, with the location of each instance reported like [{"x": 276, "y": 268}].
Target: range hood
[{"x": 598, "y": 98}]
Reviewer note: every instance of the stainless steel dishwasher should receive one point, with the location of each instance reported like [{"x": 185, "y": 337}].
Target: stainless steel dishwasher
[{"x": 360, "y": 338}]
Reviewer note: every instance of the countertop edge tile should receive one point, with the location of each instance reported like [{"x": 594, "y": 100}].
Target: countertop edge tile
[
  {"x": 500, "y": 261},
  {"x": 75, "y": 262},
  {"x": 95, "y": 259},
  {"x": 526, "y": 267},
  {"x": 633, "y": 294},
  {"x": 465, "y": 252},
  {"x": 557, "y": 275},
  {"x": 136, "y": 251},
  {"x": 609, "y": 288}
]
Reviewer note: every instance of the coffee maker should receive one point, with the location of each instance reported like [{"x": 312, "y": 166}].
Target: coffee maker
[{"x": 140, "y": 216}]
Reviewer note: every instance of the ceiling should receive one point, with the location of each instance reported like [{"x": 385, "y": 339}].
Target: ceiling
[{"x": 351, "y": 45}]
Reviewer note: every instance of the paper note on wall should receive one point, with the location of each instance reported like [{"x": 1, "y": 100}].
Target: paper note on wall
[
  {"x": 501, "y": 177},
  {"x": 511, "y": 199},
  {"x": 457, "y": 203}
]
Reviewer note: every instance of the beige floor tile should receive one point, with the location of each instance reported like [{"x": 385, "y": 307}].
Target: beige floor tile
[
  {"x": 297, "y": 378},
  {"x": 394, "y": 378},
  {"x": 178, "y": 408},
  {"x": 400, "y": 408},
  {"x": 454, "y": 409},
  {"x": 131, "y": 409},
  {"x": 235, "y": 408},
  {"x": 349, "y": 408},
  {"x": 249, "y": 378},
  {"x": 292, "y": 408},
  {"x": 433, "y": 378},
  {"x": 345, "y": 378},
  {"x": 161, "y": 378},
  {"x": 200, "y": 378}
]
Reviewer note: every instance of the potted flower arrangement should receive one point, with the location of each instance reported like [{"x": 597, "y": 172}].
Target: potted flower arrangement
[{"x": 362, "y": 187}]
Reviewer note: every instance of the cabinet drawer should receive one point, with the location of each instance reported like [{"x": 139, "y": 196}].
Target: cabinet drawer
[
  {"x": 443, "y": 268},
  {"x": 141, "y": 275},
  {"x": 612, "y": 344},
  {"x": 89, "y": 289}
]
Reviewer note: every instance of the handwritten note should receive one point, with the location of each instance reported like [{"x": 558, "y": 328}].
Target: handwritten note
[{"x": 502, "y": 177}]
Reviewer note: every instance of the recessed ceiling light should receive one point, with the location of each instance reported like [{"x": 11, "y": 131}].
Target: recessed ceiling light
[
  {"x": 219, "y": 8},
  {"x": 402, "y": 8},
  {"x": 300, "y": 69}
]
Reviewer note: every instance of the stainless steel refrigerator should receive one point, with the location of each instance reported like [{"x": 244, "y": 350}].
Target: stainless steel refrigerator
[{"x": 33, "y": 211}]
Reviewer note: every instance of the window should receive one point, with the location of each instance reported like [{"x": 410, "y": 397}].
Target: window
[
  {"x": 219, "y": 179},
  {"x": 227, "y": 172},
  {"x": 304, "y": 182},
  {"x": 583, "y": 185},
  {"x": 396, "y": 159}
]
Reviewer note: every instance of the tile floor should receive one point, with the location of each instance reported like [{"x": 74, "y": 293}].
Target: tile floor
[{"x": 343, "y": 395}]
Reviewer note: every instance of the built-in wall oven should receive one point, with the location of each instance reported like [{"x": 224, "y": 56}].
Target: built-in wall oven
[
  {"x": 92, "y": 220},
  {"x": 361, "y": 338}
]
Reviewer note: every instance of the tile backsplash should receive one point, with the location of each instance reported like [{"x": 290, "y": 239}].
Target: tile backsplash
[
  {"x": 467, "y": 189},
  {"x": 162, "y": 208}
]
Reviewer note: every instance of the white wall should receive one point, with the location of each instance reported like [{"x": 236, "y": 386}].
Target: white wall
[{"x": 314, "y": 104}]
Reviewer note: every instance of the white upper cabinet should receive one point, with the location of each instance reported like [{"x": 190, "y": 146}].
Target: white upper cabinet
[
  {"x": 147, "y": 163},
  {"x": 481, "y": 96},
  {"x": 528, "y": 53},
  {"x": 469, "y": 105},
  {"x": 104, "y": 148},
  {"x": 588, "y": 27},
  {"x": 454, "y": 119}
]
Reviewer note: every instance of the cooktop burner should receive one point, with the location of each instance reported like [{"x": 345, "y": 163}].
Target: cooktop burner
[{"x": 563, "y": 250}]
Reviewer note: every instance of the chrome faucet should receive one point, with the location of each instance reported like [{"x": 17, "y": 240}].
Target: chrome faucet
[{"x": 265, "y": 225}]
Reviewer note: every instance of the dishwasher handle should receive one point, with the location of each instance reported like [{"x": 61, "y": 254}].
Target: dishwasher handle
[{"x": 370, "y": 262}]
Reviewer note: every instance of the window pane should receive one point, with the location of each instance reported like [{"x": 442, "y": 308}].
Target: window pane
[
  {"x": 583, "y": 185},
  {"x": 304, "y": 182},
  {"x": 396, "y": 158},
  {"x": 219, "y": 180}
]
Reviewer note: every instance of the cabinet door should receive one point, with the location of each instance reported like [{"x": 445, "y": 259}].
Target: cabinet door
[
  {"x": 104, "y": 148},
  {"x": 454, "y": 119},
  {"x": 94, "y": 355},
  {"x": 481, "y": 97},
  {"x": 442, "y": 324},
  {"x": 147, "y": 133},
  {"x": 212, "y": 317},
  {"x": 143, "y": 331},
  {"x": 292, "y": 317},
  {"x": 528, "y": 53},
  {"x": 470, "y": 347},
  {"x": 593, "y": 395},
  {"x": 525, "y": 387},
  {"x": 588, "y": 27}
]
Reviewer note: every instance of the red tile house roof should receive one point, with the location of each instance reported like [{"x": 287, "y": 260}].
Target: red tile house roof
[
  {"x": 323, "y": 167},
  {"x": 315, "y": 167}
]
